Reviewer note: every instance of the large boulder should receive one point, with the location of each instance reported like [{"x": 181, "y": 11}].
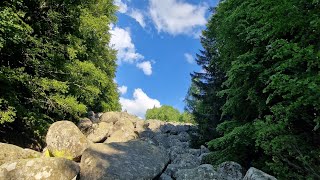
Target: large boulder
[
  {"x": 10, "y": 152},
  {"x": 202, "y": 172},
  {"x": 39, "y": 168},
  {"x": 110, "y": 117},
  {"x": 64, "y": 139},
  {"x": 256, "y": 174},
  {"x": 131, "y": 160},
  {"x": 124, "y": 124},
  {"x": 100, "y": 132},
  {"x": 154, "y": 125},
  {"x": 229, "y": 171},
  {"x": 121, "y": 136}
]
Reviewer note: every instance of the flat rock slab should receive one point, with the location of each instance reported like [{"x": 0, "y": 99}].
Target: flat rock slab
[
  {"x": 39, "y": 168},
  {"x": 131, "y": 160}
]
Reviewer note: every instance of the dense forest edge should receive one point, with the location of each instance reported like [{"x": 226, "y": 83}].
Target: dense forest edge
[
  {"x": 54, "y": 65},
  {"x": 256, "y": 100}
]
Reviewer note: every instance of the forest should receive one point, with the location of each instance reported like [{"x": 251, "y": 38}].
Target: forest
[
  {"x": 54, "y": 64},
  {"x": 256, "y": 100}
]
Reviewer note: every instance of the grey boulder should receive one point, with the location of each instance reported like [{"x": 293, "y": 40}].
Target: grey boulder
[
  {"x": 131, "y": 160},
  {"x": 256, "y": 174},
  {"x": 229, "y": 171},
  {"x": 100, "y": 132},
  {"x": 64, "y": 139},
  {"x": 10, "y": 152},
  {"x": 202, "y": 172},
  {"x": 40, "y": 168}
]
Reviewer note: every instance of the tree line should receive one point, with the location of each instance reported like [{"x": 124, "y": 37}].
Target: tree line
[
  {"x": 55, "y": 63},
  {"x": 169, "y": 114},
  {"x": 257, "y": 99}
]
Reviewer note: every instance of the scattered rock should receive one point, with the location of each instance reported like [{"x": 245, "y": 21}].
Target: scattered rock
[
  {"x": 100, "y": 132},
  {"x": 203, "y": 149},
  {"x": 64, "y": 139},
  {"x": 10, "y": 152},
  {"x": 154, "y": 125},
  {"x": 121, "y": 136},
  {"x": 124, "y": 124},
  {"x": 130, "y": 160},
  {"x": 39, "y": 168},
  {"x": 202, "y": 172},
  {"x": 165, "y": 177},
  {"x": 229, "y": 171},
  {"x": 110, "y": 117},
  {"x": 85, "y": 125},
  {"x": 256, "y": 174}
]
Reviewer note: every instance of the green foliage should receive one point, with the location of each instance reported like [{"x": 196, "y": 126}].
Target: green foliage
[
  {"x": 168, "y": 113},
  {"x": 269, "y": 52},
  {"x": 55, "y": 63}
]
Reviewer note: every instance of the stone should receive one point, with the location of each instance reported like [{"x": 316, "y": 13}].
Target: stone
[
  {"x": 168, "y": 128},
  {"x": 202, "y": 172},
  {"x": 9, "y": 152},
  {"x": 256, "y": 174},
  {"x": 110, "y": 117},
  {"x": 173, "y": 168},
  {"x": 174, "y": 151},
  {"x": 100, "y": 132},
  {"x": 201, "y": 158},
  {"x": 123, "y": 124},
  {"x": 203, "y": 149},
  {"x": 39, "y": 168},
  {"x": 121, "y": 136},
  {"x": 130, "y": 160},
  {"x": 85, "y": 125},
  {"x": 140, "y": 126},
  {"x": 182, "y": 128},
  {"x": 186, "y": 158},
  {"x": 229, "y": 171},
  {"x": 165, "y": 177},
  {"x": 93, "y": 117},
  {"x": 195, "y": 152},
  {"x": 64, "y": 139},
  {"x": 154, "y": 125},
  {"x": 184, "y": 137}
]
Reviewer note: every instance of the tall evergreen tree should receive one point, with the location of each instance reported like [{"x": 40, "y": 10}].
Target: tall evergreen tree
[{"x": 202, "y": 99}]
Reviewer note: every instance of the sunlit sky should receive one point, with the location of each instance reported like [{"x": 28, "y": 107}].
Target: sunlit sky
[{"x": 157, "y": 41}]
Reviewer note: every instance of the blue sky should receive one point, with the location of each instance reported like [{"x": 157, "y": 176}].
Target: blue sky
[{"x": 157, "y": 41}]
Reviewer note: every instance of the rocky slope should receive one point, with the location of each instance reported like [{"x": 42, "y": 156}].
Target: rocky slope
[{"x": 117, "y": 145}]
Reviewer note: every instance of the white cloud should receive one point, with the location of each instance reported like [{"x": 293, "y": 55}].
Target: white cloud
[
  {"x": 123, "y": 90},
  {"x": 146, "y": 67},
  {"x": 139, "y": 104},
  {"x": 121, "y": 41},
  {"x": 138, "y": 16},
  {"x": 177, "y": 17},
  {"x": 123, "y": 8},
  {"x": 189, "y": 58}
]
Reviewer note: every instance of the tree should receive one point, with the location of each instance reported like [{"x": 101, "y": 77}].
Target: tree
[
  {"x": 202, "y": 99},
  {"x": 270, "y": 55},
  {"x": 54, "y": 63},
  {"x": 164, "y": 113}
]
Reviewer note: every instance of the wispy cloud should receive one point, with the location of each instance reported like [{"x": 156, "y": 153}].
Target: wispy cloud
[
  {"x": 146, "y": 67},
  {"x": 122, "y": 42},
  {"x": 138, "y": 16},
  {"x": 177, "y": 17},
  {"x": 189, "y": 58}
]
